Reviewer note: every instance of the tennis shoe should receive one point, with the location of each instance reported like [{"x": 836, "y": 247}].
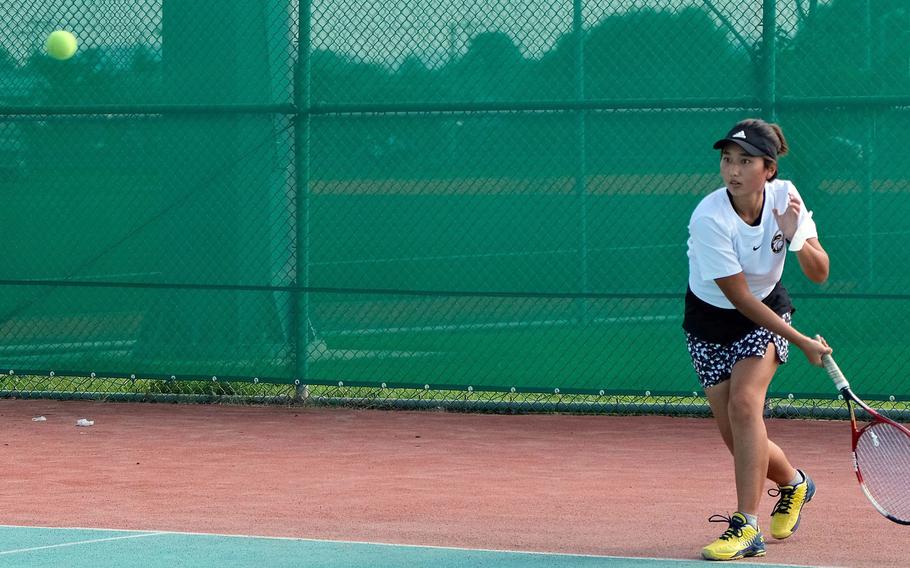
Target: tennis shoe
[
  {"x": 739, "y": 540},
  {"x": 791, "y": 499}
]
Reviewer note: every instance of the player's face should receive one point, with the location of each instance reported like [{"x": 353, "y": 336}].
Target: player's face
[{"x": 743, "y": 174}]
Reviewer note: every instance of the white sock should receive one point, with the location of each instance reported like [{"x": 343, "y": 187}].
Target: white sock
[
  {"x": 797, "y": 480},
  {"x": 752, "y": 519}
]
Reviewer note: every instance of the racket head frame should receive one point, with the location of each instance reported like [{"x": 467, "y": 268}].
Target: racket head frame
[{"x": 850, "y": 398}]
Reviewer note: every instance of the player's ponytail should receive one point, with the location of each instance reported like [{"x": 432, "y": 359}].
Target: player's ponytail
[
  {"x": 782, "y": 146},
  {"x": 772, "y": 133}
]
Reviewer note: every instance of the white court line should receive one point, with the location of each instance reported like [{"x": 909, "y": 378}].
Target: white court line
[
  {"x": 398, "y": 545},
  {"x": 77, "y": 543}
]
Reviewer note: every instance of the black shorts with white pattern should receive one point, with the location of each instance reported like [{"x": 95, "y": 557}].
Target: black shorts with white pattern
[{"x": 714, "y": 362}]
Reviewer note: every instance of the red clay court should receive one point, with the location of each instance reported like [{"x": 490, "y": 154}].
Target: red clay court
[{"x": 635, "y": 486}]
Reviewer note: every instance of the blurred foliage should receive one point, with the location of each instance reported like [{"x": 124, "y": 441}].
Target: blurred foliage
[{"x": 837, "y": 49}]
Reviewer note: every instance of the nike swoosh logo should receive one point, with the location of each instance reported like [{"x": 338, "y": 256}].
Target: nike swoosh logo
[{"x": 756, "y": 248}]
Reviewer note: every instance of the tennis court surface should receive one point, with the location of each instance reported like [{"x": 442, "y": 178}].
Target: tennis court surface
[
  {"x": 103, "y": 549},
  {"x": 166, "y": 485}
]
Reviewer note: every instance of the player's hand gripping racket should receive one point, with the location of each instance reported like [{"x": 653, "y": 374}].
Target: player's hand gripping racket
[{"x": 881, "y": 454}]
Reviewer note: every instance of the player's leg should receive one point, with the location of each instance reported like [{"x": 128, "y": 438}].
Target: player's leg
[
  {"x": 739, "y": 404},
  {"x": 794, "y": 488},
  {"x": 780, "y": 471},
  {"x": 748, "y": 386}
]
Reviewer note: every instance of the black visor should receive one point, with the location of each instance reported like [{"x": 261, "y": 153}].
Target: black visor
[{"x": 751, "y": 140}]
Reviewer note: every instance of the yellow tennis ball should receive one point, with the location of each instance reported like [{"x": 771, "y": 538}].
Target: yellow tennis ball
[{"x": 61, "y": 45}]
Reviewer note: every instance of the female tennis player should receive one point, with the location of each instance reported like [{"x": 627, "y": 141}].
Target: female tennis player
[{"x": 737, "y": 322}]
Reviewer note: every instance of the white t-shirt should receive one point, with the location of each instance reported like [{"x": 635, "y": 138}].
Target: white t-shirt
[{"x": 722, "y": 244}]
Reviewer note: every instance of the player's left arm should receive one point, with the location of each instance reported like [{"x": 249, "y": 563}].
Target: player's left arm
[
  {"x": 792, "y": 221},
  {"x": 814, "y": 261}
]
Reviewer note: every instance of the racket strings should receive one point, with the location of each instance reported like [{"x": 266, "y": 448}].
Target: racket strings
[{"x": 883, "y": 459}]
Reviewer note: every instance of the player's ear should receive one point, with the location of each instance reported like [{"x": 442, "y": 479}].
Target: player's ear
[{"x": 770, "y": 169}]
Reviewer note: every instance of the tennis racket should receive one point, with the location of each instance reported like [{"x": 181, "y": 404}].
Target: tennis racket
[{"x": 881, "y": 454}]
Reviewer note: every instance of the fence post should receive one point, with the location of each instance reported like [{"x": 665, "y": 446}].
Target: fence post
[
  {"x": 581, "y": 189},
  {"x": 868, "y": 150},
  {"x": 300, "y": 304},
  {"x": 769, "y": 60}
]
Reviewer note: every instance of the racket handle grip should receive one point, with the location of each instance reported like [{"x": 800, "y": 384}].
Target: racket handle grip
[{"x": 840, "y": 381}]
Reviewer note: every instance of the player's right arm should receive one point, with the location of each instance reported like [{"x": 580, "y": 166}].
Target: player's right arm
[{"x": 737, "y": 291}]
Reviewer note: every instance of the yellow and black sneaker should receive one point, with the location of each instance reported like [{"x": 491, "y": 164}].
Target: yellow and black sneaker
[
  {"x": 785, "y": 516},
  {"x": 739, "y": 540}
]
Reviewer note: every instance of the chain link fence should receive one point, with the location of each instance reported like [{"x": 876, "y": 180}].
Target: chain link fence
[{"x": 475, "y": 205}]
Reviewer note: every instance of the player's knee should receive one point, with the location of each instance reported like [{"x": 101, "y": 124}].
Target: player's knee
[{"x": 743, "y": 407}]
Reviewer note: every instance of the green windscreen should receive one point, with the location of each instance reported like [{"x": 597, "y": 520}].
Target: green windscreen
[{"x": 437, "y": 195}]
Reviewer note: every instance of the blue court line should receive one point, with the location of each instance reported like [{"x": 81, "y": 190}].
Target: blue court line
[{"x": 95, "y": 548}]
